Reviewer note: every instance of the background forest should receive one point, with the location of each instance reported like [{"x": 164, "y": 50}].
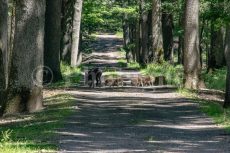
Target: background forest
[{"x": 186, "y": 41}]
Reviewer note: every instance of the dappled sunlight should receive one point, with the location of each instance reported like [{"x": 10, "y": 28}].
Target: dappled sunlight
[{"x": 138, "y": 120}]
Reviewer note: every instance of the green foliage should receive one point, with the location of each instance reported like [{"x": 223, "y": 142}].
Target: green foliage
[
  {"x": 100, "y": 15},
  {"x": 221, "y": 116},
  {"x": 134, "y": 65},
  {"x": 216, "y": 79},
  {"x": 34, "y": 132},
  {"x": 173, "y": 74},
  {"x": 71, "y": 76},
  {"x": 122, "y": 63}
]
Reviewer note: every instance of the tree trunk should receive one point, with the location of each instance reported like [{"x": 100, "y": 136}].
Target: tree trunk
[
  {"x": 75, "y": 54},
  {"x": 216, "y": 59},
  {"x": 144, "y": 34},
  {"x": 157, "y": 39},
  {"x": 192, "y": 64},
  {"x": 137, "y": 42},
  {"x": 126, "y": 33},
  {"x": 201, "y": 41},
  {"x": 132, "y": 32},
  {"x": 25, "y": 80},
  {"x": 227, "y": 57},
  {"x": 167, "y": 28},
  {"x": 53, "y": 39},
  {"x": 181, "y": 38},
  {"x": 3, "y": 48},
  {"x": 67, "y": 27}
]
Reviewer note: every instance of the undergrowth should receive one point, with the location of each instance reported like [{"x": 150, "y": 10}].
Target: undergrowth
[{"x": 36, "y": 132}]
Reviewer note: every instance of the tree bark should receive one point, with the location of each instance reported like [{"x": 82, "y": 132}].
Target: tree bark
[
  {"x": 67, "y": 28},
  {"x": 227, "y": 57},
  {"x": 137, "y": 42},
  {"x": 53, "y": 39},
  {"x": 144, "y": 35},
  {"x": 25, "y": 80},
  {"x": 75, "y": 54},
  {"x": 3, "y": 48},
  {"x": 216, "y": 59},
  {"x": 181, "y": 38},
  {"x": 167, "y": 28},
  {"x": 192, "y": 66},
  {"x": 126, "y": 33},
  {"x": 157, "y": 40}
]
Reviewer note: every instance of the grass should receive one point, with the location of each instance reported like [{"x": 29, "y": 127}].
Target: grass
[
  {"x": 119, "y": 34},
  {"x": 122, "y": 63},
  {"x": 213, "y": 109},
  {"x": 71, "y": 76},
  {"x": 220, "y": 115},
  {"x": 134, "y": 65},
  {"x": 34, "y": 132},
  {"x": 111, "y": 74},
  {"x": 173, "y": 74},
  {"x": 216, "y": 79}
]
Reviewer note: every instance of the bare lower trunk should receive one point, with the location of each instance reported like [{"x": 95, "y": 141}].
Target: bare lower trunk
[
  {"x": 167, "y": 24},
  {"x": 227, "y": 57},
  {"x": 3, "y": 48},
  {"x": 76, "y": 33},
  {"x": 217, "y": 59},
  {"x": 192, "y": 64},
  {"x": 53, "y": 39},
  {"x": 144, "y": 35},
  {"x": 137, "y": 42},
  {"x": 157, "y": 40},
  {"x": 25, "y": 80},
  {"x": 67, "y": 27}
]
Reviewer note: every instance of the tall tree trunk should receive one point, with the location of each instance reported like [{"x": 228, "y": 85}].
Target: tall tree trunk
[
  {"x": 53, "y": 39},
  {"x": 137, "y": 42},
  {"x": 201, "y": 40},
  {"x": 67, "y": 27},
  {"x": 227, "y": 57},
  {"x": 157, "y": 39},
  {"x": 192, "y": 64},
  {"x": 132, "y": 32},
  {"x": 150, "y": 50},
  {"x": 167, "y": 28},
  {"x": 144, "y": 34},
  {"x": 3, "y": 48},
  {"x": 216, "y": 59},
  {"x": 126, "y": 33},
  {"x": 181, "y": 37},
  {"x": 75, "y": 53},
  {"x": 25, "y": 80}
]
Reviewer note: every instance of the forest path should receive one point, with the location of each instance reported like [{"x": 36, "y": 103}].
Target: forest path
[{"x": 129, "y": 120}]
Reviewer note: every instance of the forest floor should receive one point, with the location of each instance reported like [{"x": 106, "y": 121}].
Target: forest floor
[{"x": 130, "y": 119}]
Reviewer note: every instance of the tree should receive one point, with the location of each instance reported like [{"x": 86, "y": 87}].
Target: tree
[
  {"x": 216, "y": 59},
  {"x": 75, "y": 53},
  {"x": 167, "y": 24},
  {"x": 67, "y": 26},
  {"x": 144, "y": 34},
  {"x": 25, "y": 81},
  {"x": 3, "y": 47},
  {"x": 157, "y": 40},
  {"x": 227, "y": 57},
  {"x": 192, "y": 66},
  {"x": 53, "y": 39}
]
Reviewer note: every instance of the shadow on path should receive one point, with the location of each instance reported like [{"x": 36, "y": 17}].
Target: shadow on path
[{"x": 139, "y": 121}]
